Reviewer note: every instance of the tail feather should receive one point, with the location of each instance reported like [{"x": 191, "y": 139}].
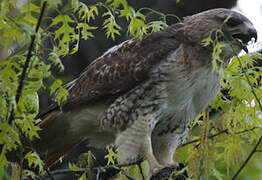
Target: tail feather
[
  {"x": 48, "y": 134},
  {"x": 46, "y": 120},
  {"x": 48, "y": 110},
  {"x": 54, "y": 157}
]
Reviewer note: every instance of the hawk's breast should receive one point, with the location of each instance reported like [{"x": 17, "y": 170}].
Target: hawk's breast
[{"x": 189, "y": 90}]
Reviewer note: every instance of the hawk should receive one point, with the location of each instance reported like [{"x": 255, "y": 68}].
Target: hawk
[{"x": 142, "y": 94}]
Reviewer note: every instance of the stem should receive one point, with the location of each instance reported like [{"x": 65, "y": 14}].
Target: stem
[
  {"x": 50, "y": 174},
  {"x": 254, "y": 150},
  {"x": 141, "y": 171},
  {"x": 217, "y": 134},
  {"x": 209, "y": 137},
  {"x": 28, "y": 57}
]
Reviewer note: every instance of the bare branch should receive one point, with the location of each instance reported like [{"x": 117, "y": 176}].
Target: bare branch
[
  {"x": 28, "y": 57},
  {"x": 254, "y": 150},
  {"x": 209, "y": 137},
  {"x": 217, "y": 134},
  {"x": 141, "y": 171},
  {"x": 50, "y": 174}
]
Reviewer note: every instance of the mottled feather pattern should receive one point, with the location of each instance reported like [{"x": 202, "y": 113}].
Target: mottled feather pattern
[
  {"x": 159, "y": 83},
  {"x": 122, "y": 67},
  {"x": 125, "y": 110}
]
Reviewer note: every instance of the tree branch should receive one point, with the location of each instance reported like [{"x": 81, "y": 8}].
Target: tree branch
[
  {"x": 98, "y": 169},
  {"x": 141, "y": 171},
  {"x": 217, "y": 134},
  {"x": 254, "y": 150},
  {"x": 209, "y": 137},
  {"x": 28, "y": 57},
  {"x": 49, "y": 174}
]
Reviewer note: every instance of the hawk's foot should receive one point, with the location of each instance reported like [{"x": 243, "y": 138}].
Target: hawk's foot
[
  {"x": 164, "y": 173},
  {"x": 171, "y": 171}
]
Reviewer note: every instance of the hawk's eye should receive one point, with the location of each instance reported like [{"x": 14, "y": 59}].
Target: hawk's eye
[{"x": 233, "y": 22}]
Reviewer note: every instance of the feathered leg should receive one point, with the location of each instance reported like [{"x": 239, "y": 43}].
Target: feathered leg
[
  {"x": 136, "y": 141},
  {"x": 165, "y": 146}
]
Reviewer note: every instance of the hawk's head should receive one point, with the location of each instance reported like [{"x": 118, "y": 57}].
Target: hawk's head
[{"x": 235, "y": 29}]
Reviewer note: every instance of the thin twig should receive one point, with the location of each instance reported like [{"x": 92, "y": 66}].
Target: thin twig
[
  {"x": 50, "y": 174},
  {"x": 249, "y": 83},
  {"x": 127, "y": 175},
  {"x": 217, "y": 134},
  {"x": 246, "y": 130},
  {"x": 254, "y": 150},
  {"x": 26, "y": 65},
  {"x": 141, "y": 171},
  {"x": 209, "y": 137}
]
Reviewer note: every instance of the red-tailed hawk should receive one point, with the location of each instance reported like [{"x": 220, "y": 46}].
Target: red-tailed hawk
[{"x": 142, "y": 94}]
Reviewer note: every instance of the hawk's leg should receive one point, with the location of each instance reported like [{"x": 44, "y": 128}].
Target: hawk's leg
[
  {"x": 135, "y": 141},
  {"x": 164, "y": 146}
]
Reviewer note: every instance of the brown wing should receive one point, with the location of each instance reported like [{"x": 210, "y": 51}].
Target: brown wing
[{"x": 122, "y": 67}]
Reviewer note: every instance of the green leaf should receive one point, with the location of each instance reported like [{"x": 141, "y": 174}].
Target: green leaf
[
  {"x": 5, "y": 7},
  {"x": 92, "y": 12},
  {"x": 137, "y": 26},
  {"x": 29, "y": 10},
  {"x": 112, "y": 28},
  {"x": 3, "y": 160},
  {"x": 155, "y": 26},
  {"x": 55, "y": 86},
  {"x": 29, "y": 102},
  {"x": 35, "y": 161},
  {"x": 128, "y": 13},
  {"x": 83, "y": 177},
  {"x": 85, "y": 30},
  {"x": 217, "y": 50},
  {"x": 54, "y": 58},
  {"x": 54, "y": 3},
  {"x": 9, "y": 136},
  {"x": 61, "y": 95},
  {"x": 74, "y": 167},
  {"x": 207, "y": 41},
  {"x": 116, "y": 3},
  {"x": 111, "y": 156},
  {"x": 83, "y": 10},
  {"x": 28, "y": 173},
  {"x": 64, "y": 32}
]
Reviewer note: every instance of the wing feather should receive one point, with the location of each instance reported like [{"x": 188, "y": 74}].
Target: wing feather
[{"x": 123, "y": 66}]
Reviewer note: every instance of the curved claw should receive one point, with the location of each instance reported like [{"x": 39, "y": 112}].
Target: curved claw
[{"x": 166, "y": 172}]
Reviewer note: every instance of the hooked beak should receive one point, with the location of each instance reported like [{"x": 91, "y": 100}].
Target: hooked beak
[{"x": 244, "y": 34}]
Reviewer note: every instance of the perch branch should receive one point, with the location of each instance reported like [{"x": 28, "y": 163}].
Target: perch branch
[{"x": 117, "y": 166}]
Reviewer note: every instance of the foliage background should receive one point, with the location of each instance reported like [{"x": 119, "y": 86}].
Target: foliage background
[{"x": 234, "y": 111}]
